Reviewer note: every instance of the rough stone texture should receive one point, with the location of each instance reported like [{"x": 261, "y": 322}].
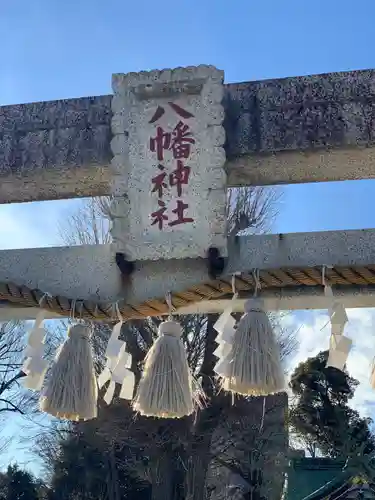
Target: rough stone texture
[
  {"x": 70, "y": 132},
  {"x": 93, "y": 274},
  {"x": 54, "y": 149},
  {"x": 135, "y": 231},
  {"x": 329, "y": 110},
  {"x": 67, "y": 143},
  {"x": 78, "y": 272}
]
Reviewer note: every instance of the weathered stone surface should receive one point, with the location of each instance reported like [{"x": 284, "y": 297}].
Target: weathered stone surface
[
  {"x": 153, "y": 180},
  {"x": 42, "y": 134},
  {"x": 319, "y": 111},
  {"x": 61, "y": 148},
  {"x": 57, "y": 148},
  {"x": 93, "y": 274}
]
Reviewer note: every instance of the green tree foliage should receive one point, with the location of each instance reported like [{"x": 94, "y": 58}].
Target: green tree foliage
[
  {"x": 18, "y": 484},
  {"x": 82, "y": 471},
  {"x": 321, "y": 413}
]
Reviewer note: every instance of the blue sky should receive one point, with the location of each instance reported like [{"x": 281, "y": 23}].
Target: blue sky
[{"x": 54, "y": 50}]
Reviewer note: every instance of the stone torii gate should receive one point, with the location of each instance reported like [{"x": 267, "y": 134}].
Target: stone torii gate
[{"x": 284, "y": 131}]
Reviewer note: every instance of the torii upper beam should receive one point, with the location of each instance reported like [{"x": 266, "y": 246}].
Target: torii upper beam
[
  {"x": 292, "y": 130},
  {"x": 282, "y": 131}
]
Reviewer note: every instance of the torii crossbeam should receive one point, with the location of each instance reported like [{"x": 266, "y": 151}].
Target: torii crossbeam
[{"x": 292, "y": 130}]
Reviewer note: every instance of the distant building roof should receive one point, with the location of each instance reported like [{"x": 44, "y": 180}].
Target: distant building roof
[
  {"x": 307, "y": 475},
  {"x": 325, "y": 478}
]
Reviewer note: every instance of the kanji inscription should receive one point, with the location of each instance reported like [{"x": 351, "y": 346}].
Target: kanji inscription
[
  {"x": 178, "y": 144},
  {"x": 169, "y": 181}
]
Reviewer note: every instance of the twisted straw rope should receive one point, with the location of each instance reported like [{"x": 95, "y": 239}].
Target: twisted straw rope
[{"x": 22, "y": 296}]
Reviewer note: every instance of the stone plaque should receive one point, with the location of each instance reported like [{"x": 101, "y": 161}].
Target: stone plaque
[{"x": 168, "y": 182}]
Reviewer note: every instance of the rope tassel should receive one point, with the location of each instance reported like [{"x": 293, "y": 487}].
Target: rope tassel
[
  {"x": 71, "y": 391},
  {"x": 165, "y": 389},
  {"x": 254, "y": 365}
]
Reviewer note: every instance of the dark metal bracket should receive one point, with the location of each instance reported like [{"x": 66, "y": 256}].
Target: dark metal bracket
[
  {"x": 215, "y": 263},
  {"x": 125, "y": 266}
]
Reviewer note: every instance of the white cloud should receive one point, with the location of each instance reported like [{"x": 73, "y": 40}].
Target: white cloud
[{"x": 313, "y": 335}]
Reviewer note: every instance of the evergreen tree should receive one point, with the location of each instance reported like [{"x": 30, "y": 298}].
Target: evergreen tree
[
  {"x": 86, "y": 472},
  {"x": 20, "y": 484},
  {"x": 321, "y": 412}
]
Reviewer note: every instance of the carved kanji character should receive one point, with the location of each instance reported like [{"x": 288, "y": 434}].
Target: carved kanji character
[
  {"x": 159, "y": 216},
  {"x": 181, "y": 140},
  {"x": 158, "y": 182},
  {"x": 179, "y": 211},
  {"x": 178, "y": 109},
  {"x": 179, "y": 176},
  {"x": 160, "y": 142},
  {"x": 158, "y": 114}
]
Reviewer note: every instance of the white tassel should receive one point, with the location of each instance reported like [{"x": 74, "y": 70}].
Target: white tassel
[
  {"x": 117, "y": 369},
  {"x": 254, "y": 361},
  {"x": 35, "y": 366},
  {"x": 165, "y": 389},
  {"x": 71, "y": 391}
]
